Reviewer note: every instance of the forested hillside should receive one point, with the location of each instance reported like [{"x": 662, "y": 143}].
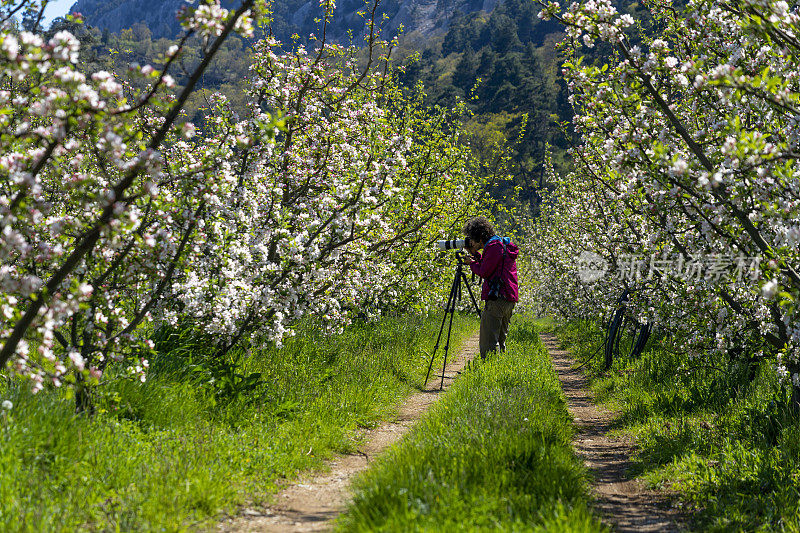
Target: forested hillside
[{"x": 505, "y": 65}]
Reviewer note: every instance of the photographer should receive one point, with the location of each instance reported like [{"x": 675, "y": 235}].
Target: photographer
[{"x": 498, "y": 268}]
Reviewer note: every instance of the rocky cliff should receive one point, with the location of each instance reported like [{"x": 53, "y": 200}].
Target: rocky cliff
[{"x": 423, "y": 17}]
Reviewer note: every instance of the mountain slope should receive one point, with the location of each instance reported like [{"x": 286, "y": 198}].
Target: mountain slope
[{"x": 427, "y": 17}]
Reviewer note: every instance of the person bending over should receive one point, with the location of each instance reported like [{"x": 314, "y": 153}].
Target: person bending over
[{"x": 498, "y": 268}]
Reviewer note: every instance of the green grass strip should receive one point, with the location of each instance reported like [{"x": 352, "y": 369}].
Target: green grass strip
[
  {"x": 493, "y": 453},
  {"x": 172, "y": 453}
]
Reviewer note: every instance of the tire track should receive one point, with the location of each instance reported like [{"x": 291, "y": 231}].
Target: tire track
[
  {"x": 313, "y": 502},
  {"x": 626, "y": 504}
]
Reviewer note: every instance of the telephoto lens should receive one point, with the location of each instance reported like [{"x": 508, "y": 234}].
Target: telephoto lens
[{"x": 453, "y": 244}]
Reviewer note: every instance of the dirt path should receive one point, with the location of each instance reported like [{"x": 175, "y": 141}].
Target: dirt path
[
  {"x": 315, "y": 500},
  {"x": 627, "y": 504}
]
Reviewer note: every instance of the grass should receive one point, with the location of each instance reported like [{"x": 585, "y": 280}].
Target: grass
[
  {"x": 201, "y": 437},
  {"x": 493, "y": 454},
  {"x": 725, "y": 444}
]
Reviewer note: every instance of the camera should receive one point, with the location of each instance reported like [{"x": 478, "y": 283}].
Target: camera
[{"x": 454, "y": 244}]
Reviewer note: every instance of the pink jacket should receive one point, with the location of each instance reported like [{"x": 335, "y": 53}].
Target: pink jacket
[{"x": 487, "y": 266}]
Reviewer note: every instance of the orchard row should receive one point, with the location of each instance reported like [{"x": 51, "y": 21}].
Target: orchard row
[
  {"x": 118, "y": 217},
  {"x": 689, "y": 139}
]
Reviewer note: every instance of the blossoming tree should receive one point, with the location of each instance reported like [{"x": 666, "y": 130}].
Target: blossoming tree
[
  {"x": 117, "y": 216},
  {"x": 688, "y": 152}
]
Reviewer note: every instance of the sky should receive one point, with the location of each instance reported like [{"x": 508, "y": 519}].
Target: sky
[{"x": 57, "y": 8}]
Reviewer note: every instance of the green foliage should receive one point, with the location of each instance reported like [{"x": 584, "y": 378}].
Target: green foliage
[
  {"x": 723, "y": 437},
  {"x": 494, "y": 453},
  {"x": 169, "y": 454},
  {"x": 185, "y": 355}
]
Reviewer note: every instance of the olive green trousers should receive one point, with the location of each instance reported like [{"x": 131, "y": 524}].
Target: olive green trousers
[{"x": 494, "y": 325}]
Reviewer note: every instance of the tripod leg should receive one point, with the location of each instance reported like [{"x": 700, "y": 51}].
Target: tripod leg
[
  {"x": 447, "y": 344},
  {"x": 455, "y": 299},
  {"x": 471, "y": 294},
  {"x": 474, "y": 301},
  {"x": 450, "y": 303}
]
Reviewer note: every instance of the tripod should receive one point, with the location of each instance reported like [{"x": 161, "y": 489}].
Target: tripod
[{"x": 450, "y": 309}]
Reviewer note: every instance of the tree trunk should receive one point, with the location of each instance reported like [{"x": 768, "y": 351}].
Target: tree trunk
[{"x": 84, "y": 404}]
